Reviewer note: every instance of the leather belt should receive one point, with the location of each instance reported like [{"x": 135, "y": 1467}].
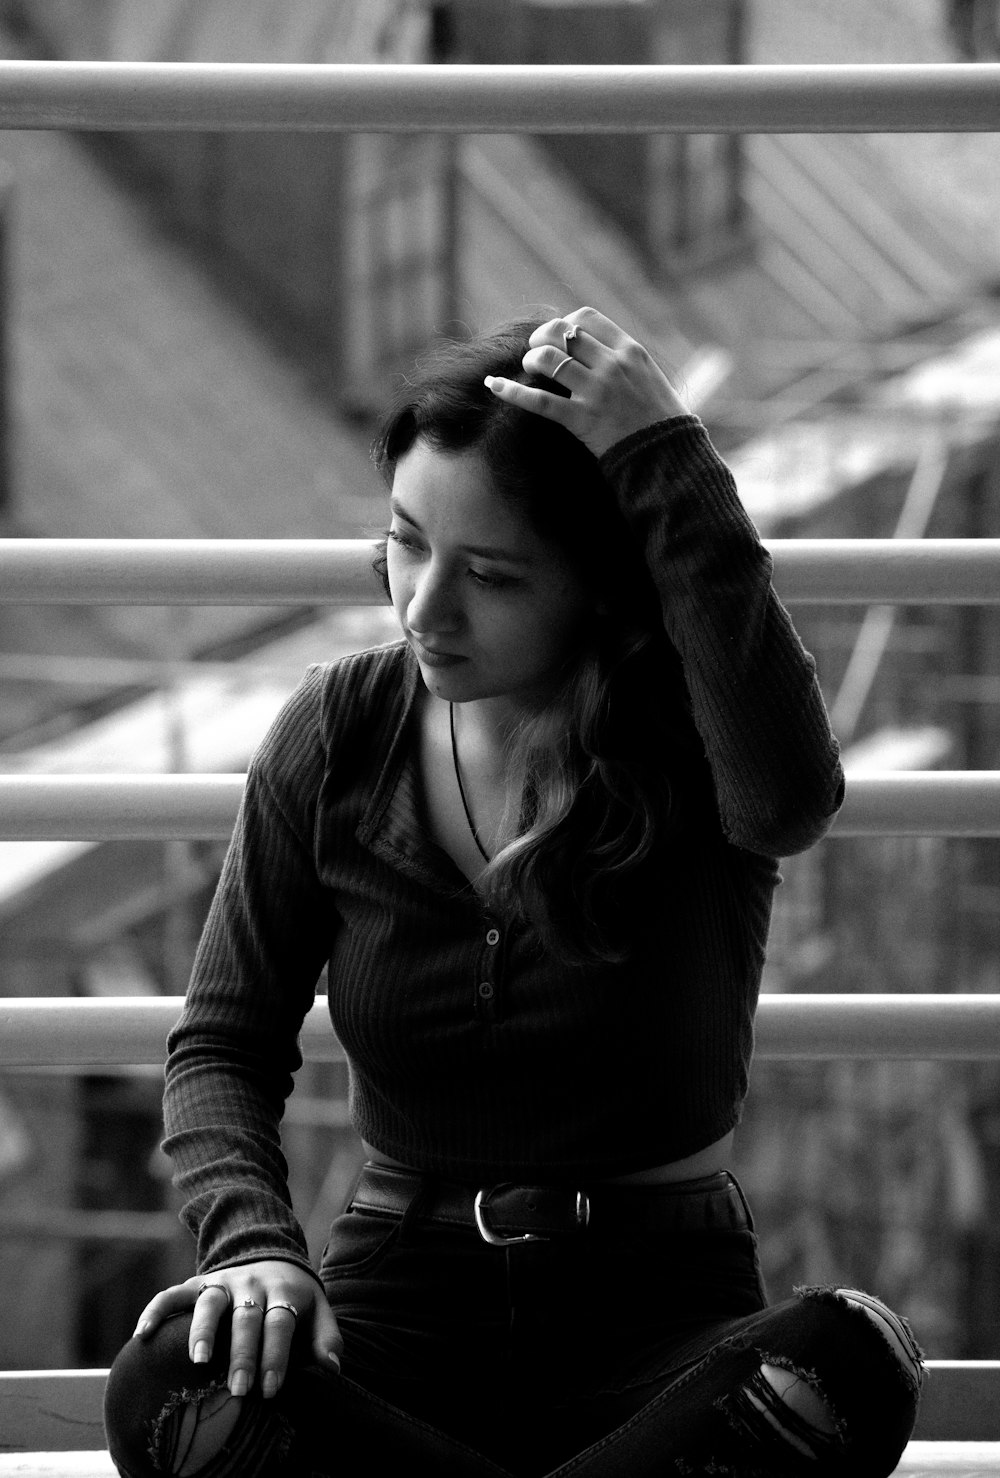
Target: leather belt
[{"x": 507, "y": 1212}]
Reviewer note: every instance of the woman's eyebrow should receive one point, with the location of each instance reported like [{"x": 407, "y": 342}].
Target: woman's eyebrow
[{"x": 484, "y": 551}]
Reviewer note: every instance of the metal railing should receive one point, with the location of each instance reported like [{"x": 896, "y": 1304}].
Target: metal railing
[
  {"x": 110, "y": 96},
  {"x": 130, "y": 1031},
  {"x": 620, "y": 99},
  {"x": 338, "y": 571},
  {"x": 128, "y": 807},
  {"x": 500, "y": 99},
  {"x": 101, "y": 1033},
  {"x": 274, "y": 572}
]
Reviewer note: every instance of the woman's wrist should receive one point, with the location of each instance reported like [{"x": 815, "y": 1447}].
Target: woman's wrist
[
  {"x": 210, "y": 1268},
  {"x": 634, "y": 441}
]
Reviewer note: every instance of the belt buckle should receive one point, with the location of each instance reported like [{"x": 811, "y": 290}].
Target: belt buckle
[{"x": 497, "y": 1239}]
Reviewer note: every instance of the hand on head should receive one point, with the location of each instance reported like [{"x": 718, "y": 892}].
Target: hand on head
[
  {"x": 615, "y": 385},
  {"x": 271, "y": 1303}
]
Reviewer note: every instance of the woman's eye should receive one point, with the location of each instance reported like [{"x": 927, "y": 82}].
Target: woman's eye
[
  {"x": 478, "y": 577},
  {"x": 400, "y": 539},
  {"x": 494, "y": 582}
]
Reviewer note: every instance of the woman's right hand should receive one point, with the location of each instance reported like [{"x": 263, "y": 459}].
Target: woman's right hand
[{"x": 262, "y": 1324}]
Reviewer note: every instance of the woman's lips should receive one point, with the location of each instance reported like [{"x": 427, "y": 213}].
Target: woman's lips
[{"x": 432, "y": 658}]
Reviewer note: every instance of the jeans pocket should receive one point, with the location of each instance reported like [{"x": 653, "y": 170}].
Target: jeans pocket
[{"x": 359, "y": 1240}]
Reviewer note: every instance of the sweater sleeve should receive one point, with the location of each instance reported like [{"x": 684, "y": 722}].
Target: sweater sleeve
[
  {"x": 755, "y": 697},
  {"x": 234, "y": 1050}
]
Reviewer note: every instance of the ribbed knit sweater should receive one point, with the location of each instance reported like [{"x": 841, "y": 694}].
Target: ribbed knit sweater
[{"x": 471, "y": 1053}]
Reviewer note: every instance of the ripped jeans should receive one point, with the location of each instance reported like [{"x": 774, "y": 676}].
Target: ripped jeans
[{"x": 641, "y": 1345}]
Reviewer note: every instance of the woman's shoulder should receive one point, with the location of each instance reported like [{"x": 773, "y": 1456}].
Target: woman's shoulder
[
  {"x": 363, "y": 685},
  {"x": 335, "y": 699},
  {"x": 337, "y": 720}
]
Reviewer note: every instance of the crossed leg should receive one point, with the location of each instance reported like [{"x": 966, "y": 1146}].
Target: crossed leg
[
  {"x": 826, "y": 1383},
  {"x": 794, "y": 1404}
]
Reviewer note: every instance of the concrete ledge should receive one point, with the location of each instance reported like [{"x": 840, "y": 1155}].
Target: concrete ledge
[
  {"x": 50, "y": 1410},
  {"x": 921, "y": 1460},
  {"x": 58, "y": 1465},
  {"x": 956, "y": 1459}
]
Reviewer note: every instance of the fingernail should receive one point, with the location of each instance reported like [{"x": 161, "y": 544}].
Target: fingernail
[
  {"x": 335, "y": 1358},
  {"x": 489, "y": 381},
  {"x": 240, "y": 1383},
  {"x": 270, "y": 1383},
  {"x": 143, "y": 1327},
  {"x": 202, "y": 1353}
]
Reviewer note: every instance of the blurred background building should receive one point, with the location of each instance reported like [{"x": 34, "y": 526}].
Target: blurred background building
[{"x": 198, "y": 330}]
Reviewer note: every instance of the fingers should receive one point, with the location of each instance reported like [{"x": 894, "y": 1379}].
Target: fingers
[
  {"x": 170, "y": 1301},
  {"x": 328, "y": 1344},
  {"x": 560, "y": 350},
  {"x": 280, "y": 1320},
  {"x": 244, "y": 1344},
  {"x": 529, "y": 398},
  {"x": 590, "y": 326},
  {"x": 259, "y": 1307},
  {"x": 279, "y": 1323},
  {"x": 566, "y": 369},
  {"x": 615, "y": 385},
  {"x": 211, "y": 1303}
]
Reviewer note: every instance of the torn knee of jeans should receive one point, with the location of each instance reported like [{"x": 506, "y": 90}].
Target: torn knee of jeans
[
  {"x": 894, "y": 1332},
  {"x": 783, "y": 1407},
  {"x": 193, "y": 1428},
  {"x": 893, "y": 1329}
]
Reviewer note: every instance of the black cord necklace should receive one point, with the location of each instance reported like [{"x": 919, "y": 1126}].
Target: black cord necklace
[{"x": 461, "y": 788}]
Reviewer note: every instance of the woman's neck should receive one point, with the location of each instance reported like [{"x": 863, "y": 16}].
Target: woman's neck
[{"x": 487, "y": 724}]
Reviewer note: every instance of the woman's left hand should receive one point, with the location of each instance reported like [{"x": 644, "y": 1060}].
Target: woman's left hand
[{"x": 615, "y": 385}]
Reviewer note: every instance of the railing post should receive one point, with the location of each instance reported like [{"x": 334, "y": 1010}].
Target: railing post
[{"x": 6, "y": 205}]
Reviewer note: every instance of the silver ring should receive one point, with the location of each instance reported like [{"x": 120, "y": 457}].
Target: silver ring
[
  {"x": 278, "y": 1304},
  {"x": 561, "y": 365},
  {"x": 204, "y": 1287},
  {"x": 250, "y": 1303},
  {"x": 570, "y": 336}
]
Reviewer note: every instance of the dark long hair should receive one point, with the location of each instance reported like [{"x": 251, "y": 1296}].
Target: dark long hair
[{"x": 597, "y": 761}]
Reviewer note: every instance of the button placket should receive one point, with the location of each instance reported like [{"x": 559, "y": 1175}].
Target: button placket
[{"x": 487, "y": 984}]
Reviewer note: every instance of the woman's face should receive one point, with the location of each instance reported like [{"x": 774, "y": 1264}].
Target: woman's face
[{"x": 490, "y": 608}]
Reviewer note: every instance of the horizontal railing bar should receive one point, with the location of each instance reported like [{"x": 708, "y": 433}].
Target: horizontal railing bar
[
  {"x": 869, "y": 98},
  {"x": 188, "y": 572},
  {"x": 118, "y": 808},
  {"x": 38, "y": 1223},
  {"x": 891, "y": 571},
  {"x": 338, "y": 571},
  {"x": 117, "y": 1031},
  {"x": 130, "y": 807},
  {"x": 955, "y": 1028},
  {"x": 943, "y": 803}
]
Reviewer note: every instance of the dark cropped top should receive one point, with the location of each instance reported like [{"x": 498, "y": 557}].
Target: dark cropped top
[{"x": 471, "y": 1053}]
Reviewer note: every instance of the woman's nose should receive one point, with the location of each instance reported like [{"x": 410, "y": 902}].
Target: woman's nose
[{"x": 432, "y": 605}]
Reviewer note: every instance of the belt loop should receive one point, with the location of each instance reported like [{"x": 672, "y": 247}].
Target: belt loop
[{"x": 734, "y": 1183}]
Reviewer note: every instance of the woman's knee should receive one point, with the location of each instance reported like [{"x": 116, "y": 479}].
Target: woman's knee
[
  {"x": 837, "y": 1383},
  {"x": 891, "y": 1327},
  {"x": 165, "y": 1415},
  {"x": 149, "y": 1385}
]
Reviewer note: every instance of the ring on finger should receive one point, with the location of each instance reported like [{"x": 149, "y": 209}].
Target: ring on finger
[
  {"x": 279, "y": 1304},
  {"x": 250, "y": 1303},
  {"x": 553, "y": 374},
  {"x": 570, "y": 336},
  {"x": 204, "y": 1287}
]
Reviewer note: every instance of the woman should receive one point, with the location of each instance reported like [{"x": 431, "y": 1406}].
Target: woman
[{"x": 536, "y": 840}]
